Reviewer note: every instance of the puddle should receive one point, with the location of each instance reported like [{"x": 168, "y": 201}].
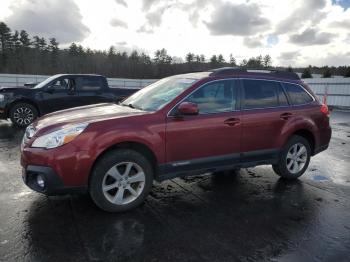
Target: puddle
[{"x": 320, "y": 178}]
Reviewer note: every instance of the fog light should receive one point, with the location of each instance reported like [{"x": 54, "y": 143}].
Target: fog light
[{"x": 40, "y": 181}]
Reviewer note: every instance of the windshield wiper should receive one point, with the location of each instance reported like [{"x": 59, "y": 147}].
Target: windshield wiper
[{"x": 131, "y": 106}]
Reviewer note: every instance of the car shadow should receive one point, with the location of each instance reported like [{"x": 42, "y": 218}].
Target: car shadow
[{"x": 230, "y": 217}]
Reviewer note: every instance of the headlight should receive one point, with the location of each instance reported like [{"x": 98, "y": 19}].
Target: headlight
[
  {"x": 2, "y": 97},
  {"x": 59, "y": 137}
]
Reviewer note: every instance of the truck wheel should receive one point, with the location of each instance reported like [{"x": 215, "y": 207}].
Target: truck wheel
[
  {"x": 23, "y": 114},
  {"x": 121, "y": 180},
  {"x": 294, "y": 159}
]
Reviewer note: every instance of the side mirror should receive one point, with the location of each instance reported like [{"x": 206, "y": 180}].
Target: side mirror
[{"x": 188, "y": 108}]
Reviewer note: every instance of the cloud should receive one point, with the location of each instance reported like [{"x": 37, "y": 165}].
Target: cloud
[
  {"x": 291, "y": 55},
  {"x": 253, "y": 42},
  {"x": 345, "y": 24},
  {"x": 309, "y": 11},
  {"x": 121, "y": 2},
  {"x": 145, "y": 29},
  {"x": 311, "y": 37},
  {"x": 118, "y": 23},
  {"x": 147, "y": 4},
  {"x": 237, "y": 19},
  {"x": 49, "y": 18}
]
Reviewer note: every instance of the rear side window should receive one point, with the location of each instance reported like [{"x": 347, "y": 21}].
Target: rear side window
[
  {"x": 297, "y": 94},
  {"x": 90, "y": 83},
  {"x": 260, "y": 94},
  {"x": 219, "y": 96}
]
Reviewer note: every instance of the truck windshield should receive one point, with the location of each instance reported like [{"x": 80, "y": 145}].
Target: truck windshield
[
  {"x": 45, "y": 82},
  {"x": 158, "y": 94}
]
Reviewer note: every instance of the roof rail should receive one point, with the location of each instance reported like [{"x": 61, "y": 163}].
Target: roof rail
[{"x": 272, "y": 72}]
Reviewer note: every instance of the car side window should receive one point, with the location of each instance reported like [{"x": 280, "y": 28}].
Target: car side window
[
  {"x": 64, "y": 84},
  {"x": 216, "y": 97},
  {"x": 260, "y": 94},
  {"x": 90, "y": 83},
  {"x": 297, "y": 94}
]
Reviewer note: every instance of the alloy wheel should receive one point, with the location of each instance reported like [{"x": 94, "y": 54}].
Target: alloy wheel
[
  {"x": 296, "y": 158},
  {"x": 23, "y": 116},
  {"x": 123, "y": 183}
]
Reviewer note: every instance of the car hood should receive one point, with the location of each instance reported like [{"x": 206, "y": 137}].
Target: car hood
[
  {"x": 84, "y": 114},
  {"x": 4, "y": 89}
]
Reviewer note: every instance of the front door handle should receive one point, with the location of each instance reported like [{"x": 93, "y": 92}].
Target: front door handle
[
  {"x": 232, "y": 121},
  {"x": 286, "y": 116}
]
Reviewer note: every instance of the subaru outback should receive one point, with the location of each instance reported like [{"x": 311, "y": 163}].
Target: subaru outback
[{"x": 223, "y": 119}]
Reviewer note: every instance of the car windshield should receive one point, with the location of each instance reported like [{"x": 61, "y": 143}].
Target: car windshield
[
  {"x": 45, "y": 82},
  {"x": 158, "y": 94}
]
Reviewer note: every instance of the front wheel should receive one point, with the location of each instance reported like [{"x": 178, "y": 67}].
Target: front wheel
[
  {"x": 121, "y": 180},
  {"x": 23, "y": 114},
  {"x": 294, "y": 159}
]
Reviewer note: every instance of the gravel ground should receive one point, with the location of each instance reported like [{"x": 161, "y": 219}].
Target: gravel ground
[{"x": 249, "y": 215}]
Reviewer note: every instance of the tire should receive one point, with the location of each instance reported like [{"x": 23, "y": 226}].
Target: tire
[
  {"x": 290, "y": 165},
  {"x": 111, "y": 173},
  {"x": 23, "y": 114}
]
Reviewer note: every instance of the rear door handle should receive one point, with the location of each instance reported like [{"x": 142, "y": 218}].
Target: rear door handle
[
  {"x": 286, "y": 116},
  {"x": 232, "y": 121}
]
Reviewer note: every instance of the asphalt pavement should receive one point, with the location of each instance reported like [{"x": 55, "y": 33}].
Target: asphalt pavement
[{"x": 250, "y": 215}]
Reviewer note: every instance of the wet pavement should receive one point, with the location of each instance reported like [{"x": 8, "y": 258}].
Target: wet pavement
[{"x": 250, "y": 215}]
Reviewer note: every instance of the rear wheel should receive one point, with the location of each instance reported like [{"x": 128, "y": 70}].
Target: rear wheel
[
  {"x": 294, "y": 159},
  {"x": 121, "y": 180},
  {"x": 23, "y": 114}
]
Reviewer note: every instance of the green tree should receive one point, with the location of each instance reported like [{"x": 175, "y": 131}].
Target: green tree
[
  {"x": 53, "y": 49},
  {"x": 162, "y": 57},
  {"x": 306, "y": 73},
  {"x": 5, "y": 43},
  {"x": 232, "y": 60},
  {"x": 190, "y": 58},
  {"x": 221, "y": 59},
  {"x": 24, "y": 39},
  {"x": 290, "y": 69},
  {"x": 267, "y": 61},
  {"x": 326, "y": 72},
  {"x": 214, "y": 61},
  {"x": 347, "y": 72}
]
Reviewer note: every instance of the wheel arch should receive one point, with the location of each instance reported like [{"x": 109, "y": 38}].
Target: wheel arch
[
  {"x": 21, "y": 100},
  {"x": 136, "y": 146},
  {"x": 308, "y": 135}
]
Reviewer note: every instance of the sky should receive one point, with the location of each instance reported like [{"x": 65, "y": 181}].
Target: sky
[{"x": 293, "y": 32}]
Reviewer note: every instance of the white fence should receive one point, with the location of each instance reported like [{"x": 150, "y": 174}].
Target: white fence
[
  {"x": 20, "y": 80},
  {"x": 338, "y": 89}
]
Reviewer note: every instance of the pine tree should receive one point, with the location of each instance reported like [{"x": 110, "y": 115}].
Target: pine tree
[
  {"x": 232, "y": 60},
  {"x": 326, "y": 72},
  {"x": 267, "y": 61},
  {"x": 306, "y": 73},
  {"x": 190, "y": 58}
]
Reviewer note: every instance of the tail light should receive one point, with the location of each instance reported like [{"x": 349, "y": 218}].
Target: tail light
[{"x": 324, "y": 109}]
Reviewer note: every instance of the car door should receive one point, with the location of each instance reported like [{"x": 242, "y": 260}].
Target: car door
[
  {"x": 265, "y": 111},
  {"x": 60, "y": 94},
  {"x": 90, "y": 90},
  {"x": 210, "y": 138}
]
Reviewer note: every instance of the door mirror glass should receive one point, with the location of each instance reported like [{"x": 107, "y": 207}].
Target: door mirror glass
[{"x": 188, "y": 108}]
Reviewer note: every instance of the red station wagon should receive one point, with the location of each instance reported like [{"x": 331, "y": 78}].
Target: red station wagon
[{"x": 211, "y": 121}]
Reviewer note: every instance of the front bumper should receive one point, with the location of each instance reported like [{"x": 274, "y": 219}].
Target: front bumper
[{"x": 53, "y": 185}]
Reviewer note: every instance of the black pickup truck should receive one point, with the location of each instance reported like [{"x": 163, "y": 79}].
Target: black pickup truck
[{"x": 24, "y": 104}]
